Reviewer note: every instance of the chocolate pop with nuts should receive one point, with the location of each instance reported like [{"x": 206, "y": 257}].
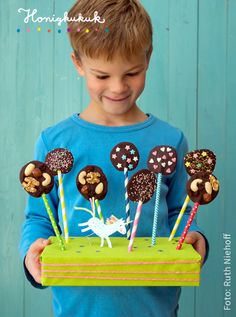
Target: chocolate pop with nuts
[
  {"x": 92, "y": 184},
  {"x": 202, "y": 189},
  {"x": 37, "y": 179}
]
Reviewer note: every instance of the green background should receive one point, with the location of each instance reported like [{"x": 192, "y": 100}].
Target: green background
[{"x": 191, "y": 83}]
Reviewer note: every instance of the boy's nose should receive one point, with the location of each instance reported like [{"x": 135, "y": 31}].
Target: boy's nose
[{"x": 119, "y": 88}]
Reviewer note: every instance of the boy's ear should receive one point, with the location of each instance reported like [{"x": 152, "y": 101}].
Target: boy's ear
[{"x": 78, "y": 64}]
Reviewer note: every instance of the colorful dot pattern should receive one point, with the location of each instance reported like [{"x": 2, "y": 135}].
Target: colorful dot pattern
[{"x": 59, "y": 31}]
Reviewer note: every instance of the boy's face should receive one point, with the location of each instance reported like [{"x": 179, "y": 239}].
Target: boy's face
[{"x": 113, "y": 86}]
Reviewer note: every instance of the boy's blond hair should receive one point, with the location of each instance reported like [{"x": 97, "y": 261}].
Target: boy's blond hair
[{"x": 127, "y": 29}]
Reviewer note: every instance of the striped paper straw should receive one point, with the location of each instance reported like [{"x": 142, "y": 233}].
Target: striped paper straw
[
  {"x": 135, "y": 225},
  {"x": 92, "y": 205},
  {"x": 53, "y": 222},
  {"x": 99, "y": 210},
  {"x": 190, "y": 219},
  {"x": 156, "y": 210},
  {"x": 127, "y": 207},
  {"x": 63, "y": 206},
  {"x": 181, "y": 213}
]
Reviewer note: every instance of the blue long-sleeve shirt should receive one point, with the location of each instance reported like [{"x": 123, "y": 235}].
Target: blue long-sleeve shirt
[{"x": 91, "y": 144}]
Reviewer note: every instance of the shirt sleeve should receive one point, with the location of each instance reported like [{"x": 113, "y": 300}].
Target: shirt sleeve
[{"x": 37, "y": 223}]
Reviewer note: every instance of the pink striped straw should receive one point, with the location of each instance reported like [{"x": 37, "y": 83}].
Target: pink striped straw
[
  {"x": 135, "y": 225},
  {"x": 190, "y": 220}
]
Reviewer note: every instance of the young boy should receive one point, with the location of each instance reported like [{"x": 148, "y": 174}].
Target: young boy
[{"x": 114, "y": 62}]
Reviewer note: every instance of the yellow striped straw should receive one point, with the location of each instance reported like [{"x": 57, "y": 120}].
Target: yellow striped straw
[
  {"x": 63, "y": 206},
  {"x": 185, "y": 204}
]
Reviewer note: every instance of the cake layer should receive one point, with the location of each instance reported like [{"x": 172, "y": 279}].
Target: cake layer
[{"x": 85, "y": 263}]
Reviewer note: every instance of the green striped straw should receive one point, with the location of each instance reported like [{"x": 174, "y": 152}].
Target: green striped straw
[
  {"x": 99, "y": 210},
  {"x": 53, "y": 222}
]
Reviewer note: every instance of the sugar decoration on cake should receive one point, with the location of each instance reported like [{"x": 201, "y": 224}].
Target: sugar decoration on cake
[
  {"x": 162, "y": 160},
  {"x": 125, "y": 157},
  {"x": 202, "y": 160},
  {"x": 141, "y": 188},
  {"x": 60, "y": 161},
  {"x": 37, "y": 179}
]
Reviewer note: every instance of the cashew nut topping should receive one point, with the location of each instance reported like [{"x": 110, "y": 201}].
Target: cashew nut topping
[
  {"x": 208, "y": 188},
  {"x": 29, "y": 184},
  {"x": 99, "y": 189},
  {"x": 47, "y": 180},
  {"x": 29, "y": 169},
  {"x": 81, "y": 178},
  {"x": 194, "y": 184}
]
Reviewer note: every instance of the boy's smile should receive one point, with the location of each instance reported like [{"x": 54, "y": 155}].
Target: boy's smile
[{"x": 113, "y": 86}]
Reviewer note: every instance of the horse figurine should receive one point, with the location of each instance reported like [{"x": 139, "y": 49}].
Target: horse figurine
[{"x": 103, "y": 230}]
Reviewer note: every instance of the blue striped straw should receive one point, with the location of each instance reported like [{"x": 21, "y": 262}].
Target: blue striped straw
[{"x": 156, "y": 210}]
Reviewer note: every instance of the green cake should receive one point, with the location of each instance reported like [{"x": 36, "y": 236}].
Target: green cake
[{"x": 85, "y": 263}]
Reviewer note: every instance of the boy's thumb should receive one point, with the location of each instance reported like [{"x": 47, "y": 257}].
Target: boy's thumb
[{"x": 39, "y": 245}]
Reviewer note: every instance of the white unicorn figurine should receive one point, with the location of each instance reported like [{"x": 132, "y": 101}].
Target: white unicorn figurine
[{"x": 103, "y": 230}]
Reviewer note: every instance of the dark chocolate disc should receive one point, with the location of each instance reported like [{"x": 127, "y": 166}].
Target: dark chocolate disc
[
  {"x": 59, "y": 160},
  {"x": 36, "y": 178},
  {"x": 124, "y": 155},
  {"x": 162, "y": 159},
  {"x": 142, "y": 186},
  {"x": 202, "y": 187},
  {"x": 200, "y": 161},
  {"x": 92, "y": 182}
]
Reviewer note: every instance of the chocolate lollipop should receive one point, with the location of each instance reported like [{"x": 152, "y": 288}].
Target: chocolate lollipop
[
  {"x": 141, "y": 188},
  {"x": 199, "y": 161},
  {"x": 202, "y": 189},
  {"x": 125, "y": 157},
  {"x": 60, "y": 161},
  {"x": 37, "y": 179},
  {"x": 162, "y": 160},
  {"x": 202, "y": 160},
  {"x": 92, "y": 184}
]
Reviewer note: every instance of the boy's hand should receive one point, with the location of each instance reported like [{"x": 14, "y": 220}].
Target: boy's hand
[
  {"x": 32, "y": 261},
  {"x": 198, "y": 242}
]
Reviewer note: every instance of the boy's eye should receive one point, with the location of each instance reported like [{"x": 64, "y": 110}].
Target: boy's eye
[
  {"x": 132, "y": 74},
  {"x": 105, "y": 76},
  {"x": 102, "y": 77}
]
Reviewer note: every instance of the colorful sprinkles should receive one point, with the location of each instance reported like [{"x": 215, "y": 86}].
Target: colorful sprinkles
[
  {"x": 142, "y": 186},
  {"x": 200, "y": 161},
  {"x": 59, "y": 160}
]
